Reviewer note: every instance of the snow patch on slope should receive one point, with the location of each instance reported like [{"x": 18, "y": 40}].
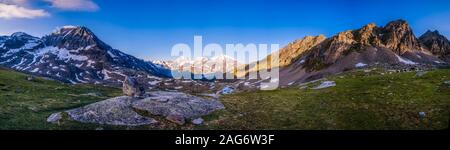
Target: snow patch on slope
[{"x": 405, "y": 61}]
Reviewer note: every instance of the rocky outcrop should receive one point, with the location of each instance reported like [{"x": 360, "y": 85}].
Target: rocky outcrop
[
  {"x": 436, "y": 43},
  {"x": 287, "y": 55},
  {"x": 291, "y": 52},
  {"x": 114, "y": 111},
  {"x": 131, "y": 87},
  {"x": 176, "y": 106},
  {"x": 398, "y": 36}
]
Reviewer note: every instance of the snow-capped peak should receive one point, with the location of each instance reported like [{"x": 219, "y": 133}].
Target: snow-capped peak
[{"x": 19, "y": 34}]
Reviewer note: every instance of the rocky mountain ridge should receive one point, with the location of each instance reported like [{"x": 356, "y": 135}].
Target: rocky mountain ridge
[{"x": 75, "y": 55}]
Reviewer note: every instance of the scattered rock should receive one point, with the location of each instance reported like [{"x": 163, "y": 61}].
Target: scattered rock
[
  {"x": 114, "y": 111},
  {"x": 198, "y": 121},
  {"x": 227, "y": 90},
  {"x": 447, "y": 82},
  {"x": 55, "y": 117},
  {"x": 177, "y": 118},
  {"x": 325, "y": 84},
  {"x": 422, "y": 114},
  {"x": 132, "y": 88},
  {"x": 31, "y": 78},
  {"x": 176, "y": 105}
]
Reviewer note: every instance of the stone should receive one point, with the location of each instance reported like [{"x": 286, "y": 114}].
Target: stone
[
  {"x": 114, "y": 111},
  {"x": 198, "y": 121},
  {"x": 325, "y": 84},
  {"x": 227, "y": 90},
  {"x": 55, "y": 117},
  {"x": 31, "y": 78},
  {"x": 422, "y": 114},
  {"x": 447, "y": 82},
  {"x": 132, "y": 88},
  {"x": 177, "y": 118},
  {"x": 163, "y": 103},
  {"x": 420, "y": 73}
]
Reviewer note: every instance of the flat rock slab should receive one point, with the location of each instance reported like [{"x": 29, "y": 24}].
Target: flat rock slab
[
  {"x": 114, "y": 111},
  {"x": 169, "y": 104},
  {"x": 176, "y": 107}
]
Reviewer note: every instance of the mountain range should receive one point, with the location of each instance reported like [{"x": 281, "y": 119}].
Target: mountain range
[
  {"x": 75, "y": 54},
  {"x": 201, "y": 65},
  {"x": 391, "y": 46}
]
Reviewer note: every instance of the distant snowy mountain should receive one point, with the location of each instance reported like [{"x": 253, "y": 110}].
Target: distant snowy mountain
[
  {"x": 201, "y": 65},
  {"x": 75, "y": 55}
]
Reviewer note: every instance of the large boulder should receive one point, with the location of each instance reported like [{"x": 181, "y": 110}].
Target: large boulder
[
  {"x": 114, "y": 111},
  {"x": 176, "y": 106},
  {"x": 132, "y": 88}
]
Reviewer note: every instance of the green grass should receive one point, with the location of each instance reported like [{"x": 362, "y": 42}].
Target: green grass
[
  {"x": 26, "y": 104},
  {"x": 360, "y": 101}
]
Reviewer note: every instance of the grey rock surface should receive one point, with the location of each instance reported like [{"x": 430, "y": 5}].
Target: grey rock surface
[
  {"x": 54, "y": 118},
  {"x": 114, "y": 111},
  {"x": 172, "y": 105},
  {"x": 132, "y": 88}
]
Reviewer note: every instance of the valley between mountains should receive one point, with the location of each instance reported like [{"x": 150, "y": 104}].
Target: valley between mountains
[{"x": 374, "y": 77}]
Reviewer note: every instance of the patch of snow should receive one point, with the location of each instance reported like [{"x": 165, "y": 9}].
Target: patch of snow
[
  {"x": 359, "y": 65},
  {"x": 78, "y": 79},
  {"x": 62, "y": 54},
  {"x": 302, "y": 61},
  {"x": 73, "y": 82},
  {"x": 111, "y": 54},
  {"x": 154, "y": 82},
  {"x": 35, "y": 70},
  {"x": 405, "y": 61},
  {"x": 325, "y": 84},
  {"x": 106, "y": 74},
  {"x": 79, "y": 65},
  {"x": 119, "y": 73}
]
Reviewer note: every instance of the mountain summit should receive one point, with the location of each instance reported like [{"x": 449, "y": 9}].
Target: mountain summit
[
  {"x": 75, "y": 55},
  {"x": 436, "y": 43}
]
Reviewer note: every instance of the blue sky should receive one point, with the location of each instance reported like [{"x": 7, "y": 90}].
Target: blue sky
[{"x": 149, "y": 28}]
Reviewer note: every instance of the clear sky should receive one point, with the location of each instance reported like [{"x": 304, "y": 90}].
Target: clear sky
[{"x": 149, "y": 28}]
